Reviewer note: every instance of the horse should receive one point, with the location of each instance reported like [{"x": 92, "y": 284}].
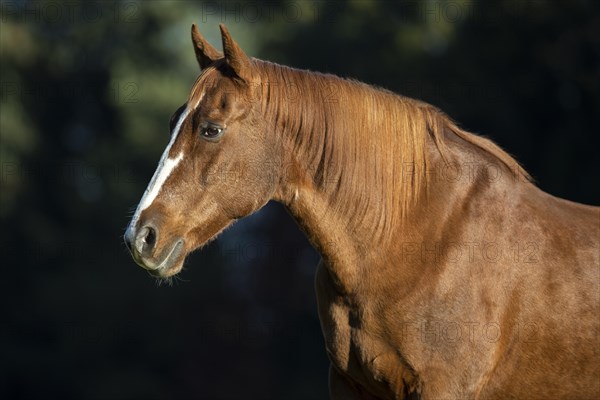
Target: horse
[{"x": 445, "y": 272}]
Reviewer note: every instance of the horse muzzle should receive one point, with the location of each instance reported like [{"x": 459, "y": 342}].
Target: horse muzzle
[{"x": 142, "y": 242}]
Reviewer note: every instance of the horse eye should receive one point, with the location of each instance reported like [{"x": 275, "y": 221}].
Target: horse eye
[{"x": 211, "y": 132}]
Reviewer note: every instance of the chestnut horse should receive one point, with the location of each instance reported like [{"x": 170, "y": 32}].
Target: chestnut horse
[{"x": 446, "y": 273}]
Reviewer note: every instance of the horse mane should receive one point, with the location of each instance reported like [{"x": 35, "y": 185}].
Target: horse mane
[{"x": 361, "y": 139}]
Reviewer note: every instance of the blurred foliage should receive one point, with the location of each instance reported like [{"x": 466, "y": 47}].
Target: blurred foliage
[{"x": 87, "y": 89}]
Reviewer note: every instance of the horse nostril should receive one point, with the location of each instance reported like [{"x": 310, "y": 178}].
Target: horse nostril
[
  {"x": 145, "y": 240},
  {"x": 150, "y": 237}
]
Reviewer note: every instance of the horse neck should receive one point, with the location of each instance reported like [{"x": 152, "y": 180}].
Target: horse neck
[
  {"x": 349, "y": 194},
  {"x": 331, "y": 181}
]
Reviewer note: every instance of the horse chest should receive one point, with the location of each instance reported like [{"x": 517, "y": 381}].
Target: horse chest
[{"x": 353, "y": 350}]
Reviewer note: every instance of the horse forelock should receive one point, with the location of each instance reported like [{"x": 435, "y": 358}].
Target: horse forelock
[{"x": 205, "y": 79}]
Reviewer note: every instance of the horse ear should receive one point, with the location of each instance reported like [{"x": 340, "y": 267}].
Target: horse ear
[
  {"x": 205, "y": 53},
  {"x": 235, "y": 57}
]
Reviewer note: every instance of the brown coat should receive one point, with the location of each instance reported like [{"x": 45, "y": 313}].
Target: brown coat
[{"x": 446, "y": 273}]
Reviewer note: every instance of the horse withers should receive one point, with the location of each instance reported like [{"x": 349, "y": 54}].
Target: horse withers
[{"x": 446, "y": 273}]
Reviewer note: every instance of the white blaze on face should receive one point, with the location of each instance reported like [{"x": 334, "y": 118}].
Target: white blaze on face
[{"x": 165, "y": 167}]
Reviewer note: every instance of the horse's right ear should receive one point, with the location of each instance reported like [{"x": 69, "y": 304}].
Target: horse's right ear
[
  {"x": 206, "y": 54},
  {"x": 235, "y": 57}
]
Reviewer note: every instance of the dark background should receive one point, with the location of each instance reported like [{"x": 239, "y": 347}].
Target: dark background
[{"x": 87, "y": 92}]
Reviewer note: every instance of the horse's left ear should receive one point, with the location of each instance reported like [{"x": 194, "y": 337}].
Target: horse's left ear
[{"x": 235, "y": 57}]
